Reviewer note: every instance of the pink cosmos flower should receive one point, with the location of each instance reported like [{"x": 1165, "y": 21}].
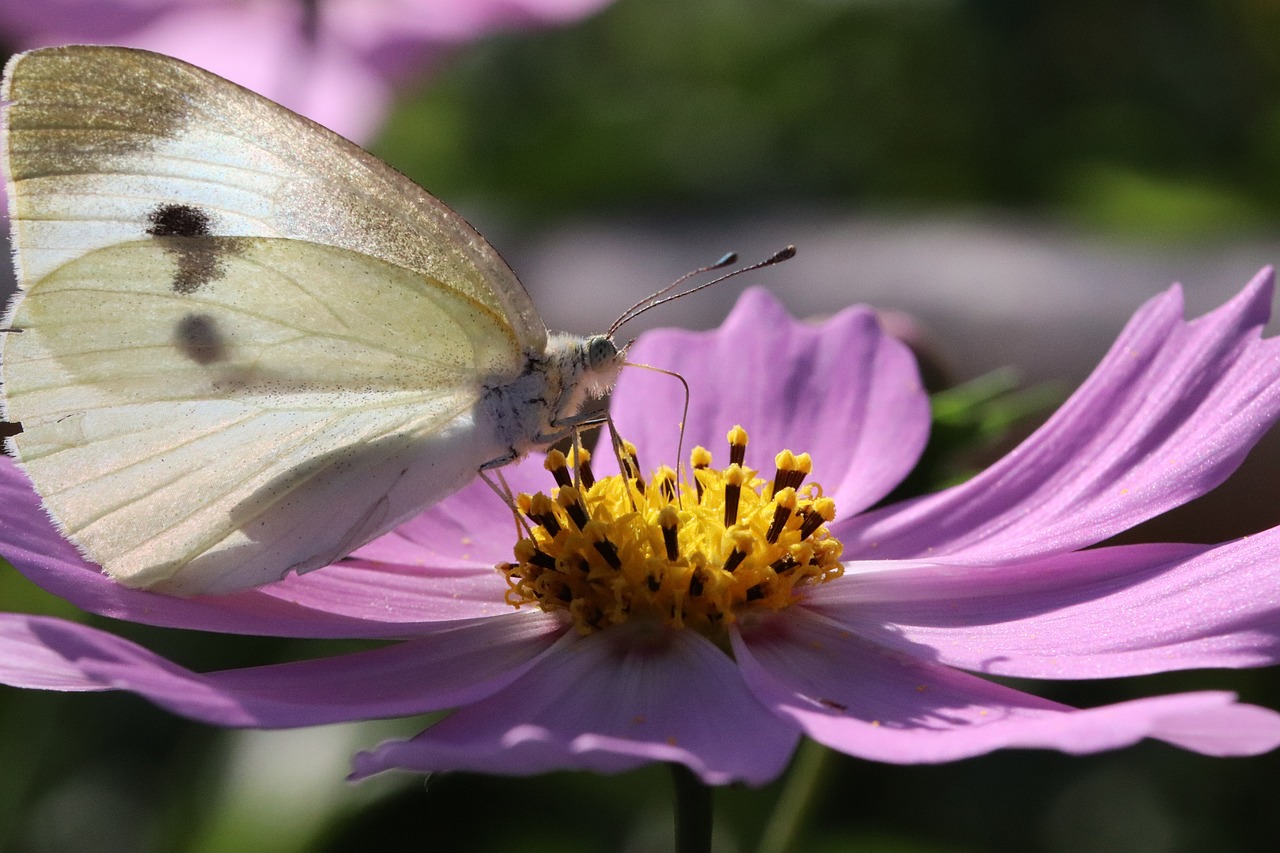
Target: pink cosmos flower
[
  {"x": 333, "y": 61},
  {"x": 885, "y": 661}
]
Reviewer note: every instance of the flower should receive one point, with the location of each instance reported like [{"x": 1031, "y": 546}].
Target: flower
[
  {"x": 883, "y": 660},
  {"x": 331, "y": 61}
]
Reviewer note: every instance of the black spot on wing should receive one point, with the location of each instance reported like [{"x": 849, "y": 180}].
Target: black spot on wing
[
  {"x": 178, "y": 220},
  {"x": 198, "y": 264},
  {"x": 186, "y": 232},
  {"x": 198, "y": 337}
]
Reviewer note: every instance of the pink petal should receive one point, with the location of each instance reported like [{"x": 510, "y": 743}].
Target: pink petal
[
  {"x": 452, "y": 20},
  {"x": 1225, "y": 731},
  {"x": 264, "y": 47},
  {"x": 384, "y": 595},
  {"x": 1089, "y": 614},
  {"x": 26, "y": 661},
  {"x": 472, "y": 529},
  {"x": 453, "y": 667},
  {"x": 868, "y": 701},
  {"x": 608, "y": 703},
  {"x": 1171, "y": 411},
  {"x": 337, "y": 76},
  {"x": 357, "y": 600},
  {"x": 841, "y": 390},
  {"x": 439, "y": 565},
  {"x": 75, "y": 21}
]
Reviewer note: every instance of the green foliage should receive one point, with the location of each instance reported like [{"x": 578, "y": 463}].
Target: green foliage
[
  {"x": 1155, "y": 118},
  {"x": 971, "y": 424}
]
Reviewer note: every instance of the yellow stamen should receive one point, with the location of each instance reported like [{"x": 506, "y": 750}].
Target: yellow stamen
[
  {"x": 558, "y": 465},
  {"x": 735, "y": 477},
  {"x": 669, "y": 521},
  {"x": 784, "y": 506},
  {"x": 700, "y": 459},
  {"x": 665, "y": 479},
  {"x": 737, "y": 445},
  {"x": 580, "y": 458},
  {"x": 606, "y": 552},
  {"x": 791, "y": 470},
  {"x": 631, "y": 464},
  {"x": 570, "y": 499}
]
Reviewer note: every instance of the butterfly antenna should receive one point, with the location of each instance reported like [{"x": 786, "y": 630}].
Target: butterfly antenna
[
  {"x": 643, "y": 305},
  {"x": 660, "y": 298}
]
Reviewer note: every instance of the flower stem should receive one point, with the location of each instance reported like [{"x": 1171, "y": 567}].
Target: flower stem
[
  {"x": 693, "y": 811},
  {"x": 797, "y": 798}
]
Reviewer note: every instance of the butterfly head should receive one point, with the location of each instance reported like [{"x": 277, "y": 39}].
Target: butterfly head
[{"x": 601, "y": 359}]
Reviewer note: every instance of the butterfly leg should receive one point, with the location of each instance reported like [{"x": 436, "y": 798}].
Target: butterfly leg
[
  {"x": 503, "y": 490},
  {"x": 498, "y": 461}
]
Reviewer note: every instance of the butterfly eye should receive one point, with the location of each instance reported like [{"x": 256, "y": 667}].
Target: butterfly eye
[{"x": 600, "y": 351}]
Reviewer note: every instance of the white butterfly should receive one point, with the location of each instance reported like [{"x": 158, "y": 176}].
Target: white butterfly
[{"x": 242, "y": 345}]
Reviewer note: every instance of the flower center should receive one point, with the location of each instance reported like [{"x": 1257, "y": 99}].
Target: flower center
[{"x": 701, "y": 556}]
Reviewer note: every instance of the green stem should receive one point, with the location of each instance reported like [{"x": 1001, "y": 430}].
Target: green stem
[
  {"x": 797, "y": 798},
  {"x": 693, "y": 811}
]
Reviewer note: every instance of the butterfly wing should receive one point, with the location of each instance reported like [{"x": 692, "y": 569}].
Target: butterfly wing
[
  {"x": 243, "y": 345},
  {"x": 213, "y": 440},
  {"x": 108, "y": 144}
]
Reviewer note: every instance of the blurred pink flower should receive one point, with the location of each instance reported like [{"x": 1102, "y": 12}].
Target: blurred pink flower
[
  {"x": 334, "y": 61},
  {"x": 884, "y": 662}
]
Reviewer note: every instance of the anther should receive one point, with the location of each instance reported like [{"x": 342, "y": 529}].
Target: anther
[
  {"x": 700, "y": 458},
  {"x": 822, "y": 511},
  {"x": 734, "y": 478},
  {"x": 737, "y": 445},
  {"x": 669, "y": 521},
  {"x": 666, "y": 480},
  {"x": 785, "y": 504},
  {"x": 571, "y": 499},
  {"x": 802, "y": 553},
  {"x": 527, "y": 552},
  {"x": 511, "y": 570},
  {"x": 804, "y": 465},
  {"x": 559, "y": 467},
  {"x": 631, "y": 465},
  {"x": 783, "y": 463},
  {"x": 595, "y": 533},
  {"x": 735, "y": 559},
  {"x": 540, "y": 510},
  {"x": 742, "y": 543},
  {"x": 580, "y": 458},
  {"x": 785, "y": 563},
  {"x": 791, "y": 470}
]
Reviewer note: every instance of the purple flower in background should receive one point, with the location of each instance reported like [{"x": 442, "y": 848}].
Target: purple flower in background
[
  {"x": 880, "y": 658},
  {"x": 331, "y": 60}
]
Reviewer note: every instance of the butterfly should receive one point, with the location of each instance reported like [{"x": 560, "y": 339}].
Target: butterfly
[{"x": 242, "y": 346}]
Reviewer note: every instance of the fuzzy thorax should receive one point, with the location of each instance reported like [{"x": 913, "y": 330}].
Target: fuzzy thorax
[{"x": 543, "y": 403}]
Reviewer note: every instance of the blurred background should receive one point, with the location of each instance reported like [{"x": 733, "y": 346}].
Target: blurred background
[{"x": 1009, "y": 179}]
